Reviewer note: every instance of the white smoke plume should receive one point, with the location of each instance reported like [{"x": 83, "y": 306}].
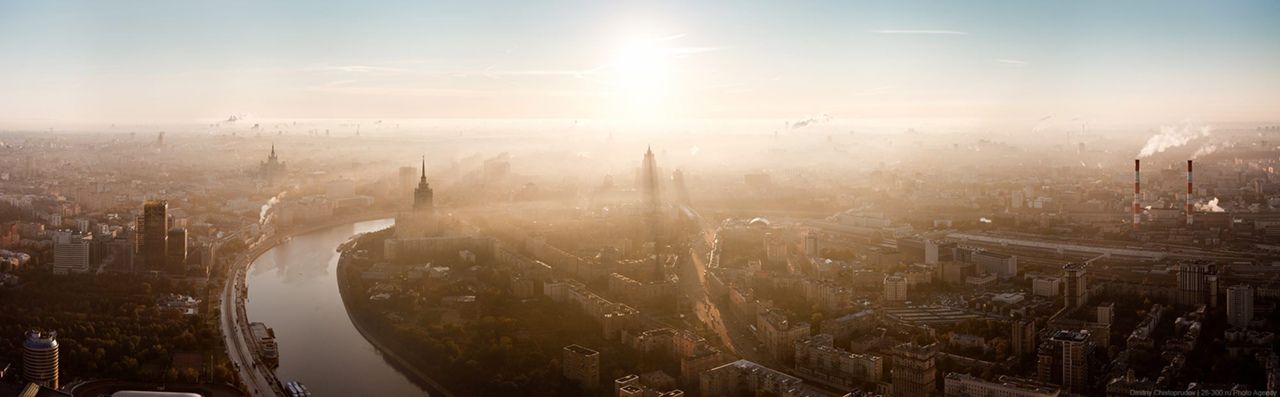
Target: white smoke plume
[
  {"x": 1211, "y": 206},
  {"x": 1041, "y": 124},
  {"x": 821, "y": 118},
  {"x": 266, "y": 208},
  {"x": 1172, "y": 137},
  {"x": 1205, "y": 151}
]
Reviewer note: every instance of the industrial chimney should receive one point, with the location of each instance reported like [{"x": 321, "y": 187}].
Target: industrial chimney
[
  {"x": 1190, "y": 210},
  {"x": 1137, "y": 191}
]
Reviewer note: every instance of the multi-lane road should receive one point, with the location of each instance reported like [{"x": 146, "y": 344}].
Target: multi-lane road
[
  {"x": 733, "y": 331},
  {"x": 257, "y": 377}
]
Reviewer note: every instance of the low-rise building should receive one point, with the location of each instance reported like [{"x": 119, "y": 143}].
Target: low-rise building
[
  {"x": 613, "y": 317},
  {"x": 818, "y": 359},
  {"x": 963, "y": 385},
  {"x": 844, "y": 326},
  {"x": 1046, "y": 286},
  {"x": 746, "y": 378}
]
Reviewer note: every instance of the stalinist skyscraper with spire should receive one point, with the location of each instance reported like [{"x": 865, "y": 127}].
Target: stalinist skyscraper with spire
[
  {"x": 272, "y": 169},
  {"x": 422, "y": 196},
  {"x": 650, "y": 183},
  {"x": 419, "y": 221},
  {"x": 421, "y": 233}
]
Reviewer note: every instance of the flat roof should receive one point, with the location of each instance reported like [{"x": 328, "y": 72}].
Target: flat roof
[
  {"x": 993, "y": 254},
  {"x": 580, "y": 350},
  {"x": 1074, "y": 266},
  {"x": 1074, "y": 336}
]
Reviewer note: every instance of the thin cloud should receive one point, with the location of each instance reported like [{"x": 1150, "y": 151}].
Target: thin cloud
[
  {"x": 671, "y": 37},
  {"x": 350, "y": 87},
  {"x": 681, "y": 51},
  {"x": 1013, "y": 62},
  {"x": 921, "y": 31},
  {"x": 355, "y": 69},
  {"x": 530, "y": 72},
  {"x": 491, "y": 71}
]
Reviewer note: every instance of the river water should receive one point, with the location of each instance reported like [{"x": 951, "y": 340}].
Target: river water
[{"x": 293, "y": 288}]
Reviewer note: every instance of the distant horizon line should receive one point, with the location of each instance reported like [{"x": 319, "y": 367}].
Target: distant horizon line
[{"x": 373, "y": 121}]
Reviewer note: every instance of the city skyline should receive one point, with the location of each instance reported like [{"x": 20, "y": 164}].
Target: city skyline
[{"x": 639, "y": 199}]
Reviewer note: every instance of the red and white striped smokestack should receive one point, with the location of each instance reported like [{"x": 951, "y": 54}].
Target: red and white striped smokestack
[
  {"x": 1137, "y": 191},
  {"x": 1190, "y": 209}
]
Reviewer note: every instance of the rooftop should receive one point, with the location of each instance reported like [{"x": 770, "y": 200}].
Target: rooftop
[
  {"x": 1008, "y": 381},
  {"x": 1071, "y": 336},
  {"x": 581, "y": 350},
  {"x": 41, "y": 340},
  {"x": 914, "y": 349},
  {"x": 752, "y": 367}
]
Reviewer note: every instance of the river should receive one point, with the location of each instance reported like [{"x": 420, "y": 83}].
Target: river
[{"x": 293, "y": 288}]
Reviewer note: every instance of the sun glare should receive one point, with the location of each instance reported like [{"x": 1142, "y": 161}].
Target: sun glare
[{"x": 642, "y": 76}]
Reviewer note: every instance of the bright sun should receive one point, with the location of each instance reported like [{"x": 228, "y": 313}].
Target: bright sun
[{"x": 642, "y": 75}]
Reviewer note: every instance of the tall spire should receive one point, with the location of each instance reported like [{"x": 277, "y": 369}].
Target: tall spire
[
  {"x": 422, "y": 196},
  {"x": 273, "y": 149}
]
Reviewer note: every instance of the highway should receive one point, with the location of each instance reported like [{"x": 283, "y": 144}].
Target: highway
[
  {"x": 257, "y": 377},
  {"x": 733, "y": 331}
]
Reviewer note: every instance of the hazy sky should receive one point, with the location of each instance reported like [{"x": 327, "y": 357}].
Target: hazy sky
[{"x": 1126, "y": 61}]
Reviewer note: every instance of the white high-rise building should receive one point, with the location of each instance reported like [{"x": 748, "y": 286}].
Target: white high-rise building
[
  {"x": 1074, "y": 361},
  {"x": 40, "y": 358},
  {"x": 1239, "y": 305},
  {"x": 70, "y": 252}
]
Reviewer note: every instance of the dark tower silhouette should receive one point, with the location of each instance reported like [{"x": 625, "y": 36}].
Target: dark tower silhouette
[
  {"x": 176, "y": 251},
  {"x": 649, "y": 187},
  {"x": 649, "y": 179},
  {"x": 155, "y": 234},
  {"x": 271, "y": 169},
  {"x": 422, "y": 196}
]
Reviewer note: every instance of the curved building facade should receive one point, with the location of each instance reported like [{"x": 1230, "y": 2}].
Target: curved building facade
[{"x": 40, "y": 358}]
